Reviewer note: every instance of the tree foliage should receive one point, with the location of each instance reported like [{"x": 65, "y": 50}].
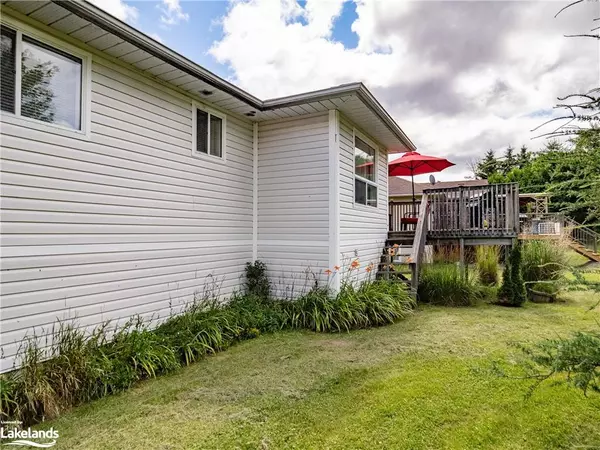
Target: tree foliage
[
  {"x": 579, "y": 111},
  {"x": 569, "y": 172}
]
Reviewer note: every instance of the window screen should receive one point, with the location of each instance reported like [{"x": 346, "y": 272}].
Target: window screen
[
  {"x": 7, "y": 82},
  {"x": 201, "y": 131},
  {"x": 209, "y": 133},
  {"x": 216, "y": 129}
]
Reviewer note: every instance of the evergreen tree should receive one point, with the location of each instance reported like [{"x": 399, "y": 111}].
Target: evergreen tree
[
  {"x": 524, "y": 157},
  {"x": 487, "y": 166},
  {"x": 505, "y": 292},
  {"x": 512, "y": 292},
  {"x": 519, "y": 294},
  {"x": 509, "y": 162}
]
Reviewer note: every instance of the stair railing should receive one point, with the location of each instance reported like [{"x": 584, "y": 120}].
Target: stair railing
[
  {"x": 582, "y": 234},
  {"x": 418, "y": 247}
]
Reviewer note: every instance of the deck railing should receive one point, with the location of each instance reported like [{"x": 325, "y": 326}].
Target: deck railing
[
  {"x": 558, "y": 225},
  {"x": 465, "y": 211},
  {"x": 400, "y": 210}
]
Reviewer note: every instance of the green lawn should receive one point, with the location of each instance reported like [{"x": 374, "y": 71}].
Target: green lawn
[{"x": 410, "y": 385}]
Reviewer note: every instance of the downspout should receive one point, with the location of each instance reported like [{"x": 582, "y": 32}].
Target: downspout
[{"x": 255, "y": 191}]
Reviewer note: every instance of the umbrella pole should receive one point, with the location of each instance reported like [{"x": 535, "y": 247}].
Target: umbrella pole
[{"x": 412, "y": 178}]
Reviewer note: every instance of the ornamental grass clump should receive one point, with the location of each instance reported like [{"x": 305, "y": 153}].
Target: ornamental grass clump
[
  {"x": 443, "y": 284},
  {"x": 543, "y": 260},
  {"x": 486, "y": 262}
]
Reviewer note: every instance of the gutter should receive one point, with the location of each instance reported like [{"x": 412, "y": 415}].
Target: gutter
[
  {"x": 97, "y": 16},
  {"x": 119, "y": 28}
]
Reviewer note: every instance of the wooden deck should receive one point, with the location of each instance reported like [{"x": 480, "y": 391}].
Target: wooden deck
[
  {"x": 480, "y": 215},
  {"x": 490, "y": 211}
]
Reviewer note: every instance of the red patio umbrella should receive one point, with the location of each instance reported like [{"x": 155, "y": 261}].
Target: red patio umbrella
[{"x": 413, "y": 163}]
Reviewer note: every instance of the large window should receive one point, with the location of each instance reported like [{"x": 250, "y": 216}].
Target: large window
[
  {"x": 365, "y": 182},
  {"x": 210, "y": 133},
  {"x": 40, "y": 81}
]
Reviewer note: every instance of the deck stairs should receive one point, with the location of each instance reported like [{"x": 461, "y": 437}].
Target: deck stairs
[
  {"x": 584, "y": 251},
  {"x": 395, "y": 258},
  {"x": 580, "y": 238},
  {"x": 484, "y": 215}
]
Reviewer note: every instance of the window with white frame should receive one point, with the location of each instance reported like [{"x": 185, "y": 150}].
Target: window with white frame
[
  {"x": 210, "y": 133},
  {"x": 365, "y": 182},
  {"x": 40, "y": 81}
]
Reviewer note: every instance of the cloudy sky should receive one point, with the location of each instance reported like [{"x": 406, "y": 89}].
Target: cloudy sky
[{"x": 459, "y": 77}]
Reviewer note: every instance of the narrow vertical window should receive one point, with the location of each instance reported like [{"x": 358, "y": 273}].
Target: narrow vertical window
[
  {"x": 201, "y": 131},
  {"x": 365, "y": 187},
  {"x": 7, "y": 80},
  {"x": 216, "y": 130},
  {"x": 210, "y": 133}
]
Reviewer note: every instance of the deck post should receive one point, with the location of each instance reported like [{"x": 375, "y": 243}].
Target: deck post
[
  {"x": 462, "y": 258},
  {"x": 461, "y": 209}
]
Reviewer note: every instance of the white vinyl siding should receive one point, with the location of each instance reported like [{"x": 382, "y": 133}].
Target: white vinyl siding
[
  {"x": 125, "y": 222},
  {"x": 293, "y": 186},
  {"x": 363, "y": 229}
]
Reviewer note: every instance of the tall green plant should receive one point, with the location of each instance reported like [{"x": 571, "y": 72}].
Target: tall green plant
[
  {"x": 512, "y": 292},
  {"x": 443, "y": 284},
  {"x": 543, "y": 260},
  {"x": 257, "y": 280},
  {"x": 79, "y": 367},
  {"x": 486, "y": 262}
]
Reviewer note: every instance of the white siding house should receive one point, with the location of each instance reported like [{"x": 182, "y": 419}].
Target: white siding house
[
  {"x": 152, "y": 177},
  {"x": 363, "y": 228},
  {"x": 293, "y": 199}
]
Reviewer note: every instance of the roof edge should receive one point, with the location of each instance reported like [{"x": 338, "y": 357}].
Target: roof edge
[
  {"x": 93, "y": 14},
  {"x": 126, "y": 32}
]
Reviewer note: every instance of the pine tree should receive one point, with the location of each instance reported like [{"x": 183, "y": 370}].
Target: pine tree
[
  {"x": 524, "y": 157},
  {"x": 487, "y": 166},
  {"x": 512, "y": 292},
  {"x": 506, "y": 289},
  {"x": 519, "y": 294},
  {"x": 509, "y": 162}
]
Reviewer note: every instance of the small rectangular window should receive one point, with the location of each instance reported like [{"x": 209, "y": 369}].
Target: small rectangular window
[
  {"x": 216, "y": 130},
  {"x": 50, "y": 85},
  {"x": 201, "y": 131},
  {"x": 7, "y": 82},
  {"x": 209, "y": 133},
  {"x": 41, "y": 82},
  {"x": 365, "y": 187}
]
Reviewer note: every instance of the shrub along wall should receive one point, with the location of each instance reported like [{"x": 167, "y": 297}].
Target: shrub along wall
[{"x": 82, "y": 367}]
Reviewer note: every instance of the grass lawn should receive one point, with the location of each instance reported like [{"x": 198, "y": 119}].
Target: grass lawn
[{"x": 410, "y": 385}]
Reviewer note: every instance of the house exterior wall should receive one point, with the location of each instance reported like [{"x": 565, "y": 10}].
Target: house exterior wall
[
  {"x": 293, "y": 201},
  {"x": 363, "y": 229},
  {"x": 123, "y": 221}
]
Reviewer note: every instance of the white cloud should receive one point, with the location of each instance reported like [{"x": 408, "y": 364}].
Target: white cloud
[
  {"x": 459, "y": 77},
  {"x": 172, "y": 13},
  {"x": 118, "y": 8}
]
